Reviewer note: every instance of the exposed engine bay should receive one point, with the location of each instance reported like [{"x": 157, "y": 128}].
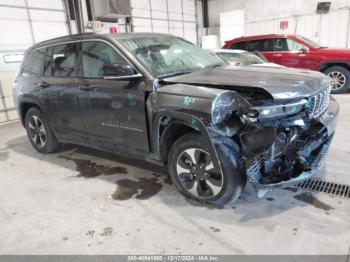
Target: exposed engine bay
[{"x": 275, "y": 148}]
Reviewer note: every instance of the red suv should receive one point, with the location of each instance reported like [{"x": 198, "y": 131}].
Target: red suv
[{"x": 300, "y": 52}]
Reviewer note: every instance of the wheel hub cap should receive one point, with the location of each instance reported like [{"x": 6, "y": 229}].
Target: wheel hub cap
[
  {"x": 37, "y": 131},
  {"x": 339, "y": 80},
  {"x": 196, "y": 172}
]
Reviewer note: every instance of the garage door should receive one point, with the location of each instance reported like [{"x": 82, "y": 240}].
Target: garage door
[
  {"x": 177, "y": 17},
  {"x": 23, "y": 23}
]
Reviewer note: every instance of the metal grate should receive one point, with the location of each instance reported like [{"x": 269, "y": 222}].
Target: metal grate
[
  {"x": 319, "y": 103},
  {"x": 318, "y": 185}
]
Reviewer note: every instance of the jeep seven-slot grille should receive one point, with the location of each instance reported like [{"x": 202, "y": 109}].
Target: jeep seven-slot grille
[{"x": 318, "y": 103}]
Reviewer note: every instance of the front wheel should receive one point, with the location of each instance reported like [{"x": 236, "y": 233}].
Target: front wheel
[
  {"x": 340, "y": 77},
  {"x": 192, "y": 170}
]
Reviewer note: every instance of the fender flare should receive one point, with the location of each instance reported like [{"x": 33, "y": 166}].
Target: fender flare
[
  {"x": 186, "y": 118},
  {"x": 322, "y": 65},
  {"x": 29, "y": 100}
]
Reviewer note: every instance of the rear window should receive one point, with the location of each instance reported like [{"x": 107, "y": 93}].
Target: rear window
[
  {"x": 33, "y": 65},
  {"x": 240, "y": 45}
]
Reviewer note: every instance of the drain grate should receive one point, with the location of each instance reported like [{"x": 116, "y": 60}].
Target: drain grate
[{"x": 318, "y": 185}]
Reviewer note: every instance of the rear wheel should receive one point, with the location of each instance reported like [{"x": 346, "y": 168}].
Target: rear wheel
[
  {"x": 192, "y": 170},
  {"x": 39, "y": 132},
  {"x": 340, "y": 77}
]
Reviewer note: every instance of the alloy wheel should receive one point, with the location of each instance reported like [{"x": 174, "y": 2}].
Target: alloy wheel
[
  {"x": 37, "y": 131},
  {"x": 195, "y": 170},
  {"x": 338, "y": 78}
]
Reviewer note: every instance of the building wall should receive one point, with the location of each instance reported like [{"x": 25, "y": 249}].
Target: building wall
[
  {"x": 264, "y": 17},
  {"x": 22, "y": 24}
]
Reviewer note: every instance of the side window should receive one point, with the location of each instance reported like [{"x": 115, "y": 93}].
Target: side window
[
  {"x": 253, "y": 46},
  {"x": 33, "y": 65},
  {"x": 63, "y": 61},
  {"x": 293, "y": 46},
  {"x": 96, "y": 55},
  {"x": 240, "y": 45},
  {"x": 280, "y": 44},
  {"x": 285, "y": 44}
]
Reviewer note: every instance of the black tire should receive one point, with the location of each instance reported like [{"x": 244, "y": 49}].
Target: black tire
[
  {"x": 233, "y": 177},
  {"x": 343, "y": 75},
  {"x": 39, "y": 132}
]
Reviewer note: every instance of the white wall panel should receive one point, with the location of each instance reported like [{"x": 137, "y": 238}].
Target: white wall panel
[
  {"x": 13, "y": 13},
  {"x": 159, "y": 14},
  {"x": 308, "y": 26},
  {"x": 177, "y": 17},
  {"x": 140, "y": 4},
  {"x": 47, "y": 16},
  {"x": 20, "y": 27},
  {"x": 46, "y": 30},
  {"x": 142, "y": 22},
  {"x": 334, "y": 28},
  {"x": 231, "y": 25},
  {"x": 15, "y": 34},
  {"x": 54, "y": 4}
]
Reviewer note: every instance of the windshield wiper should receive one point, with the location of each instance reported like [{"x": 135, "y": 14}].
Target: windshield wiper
[
  {"x": 215, "y": 65},
  {"x": 175, "y": 74}
]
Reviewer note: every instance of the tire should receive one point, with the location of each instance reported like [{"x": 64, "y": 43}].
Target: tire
[
  {"x": 39, "y": 132},
  {"x": 204, "y": 183},
  {"x": 341, "y": 76}
]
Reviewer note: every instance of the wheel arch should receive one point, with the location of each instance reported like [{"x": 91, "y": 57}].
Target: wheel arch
[
  {"x": 168, "y": 126},
  {"x": 329, "y": 64},
  {"x": 24, "y": 106}
]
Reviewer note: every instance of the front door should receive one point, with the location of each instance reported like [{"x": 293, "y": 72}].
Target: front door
[
  {"x": 292, "y": 54},
  {"x": 60, "y": 93},
  {"x": 113, "y": 110}
]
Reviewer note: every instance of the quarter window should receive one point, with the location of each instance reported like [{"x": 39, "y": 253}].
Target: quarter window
[
  {"x": 33, "y": 66},
  {"x": 96, "y": 55}
]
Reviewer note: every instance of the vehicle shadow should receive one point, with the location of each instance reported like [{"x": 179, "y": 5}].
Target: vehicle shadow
[{"x": 142, "y": 180}]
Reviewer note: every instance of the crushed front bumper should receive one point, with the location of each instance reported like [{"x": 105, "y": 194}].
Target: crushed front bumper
[{"x": 328, "y": 121}]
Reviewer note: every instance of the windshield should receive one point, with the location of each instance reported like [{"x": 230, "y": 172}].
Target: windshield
[
  {"x": 167, "y": 55},
  {"x": 239, "y": 58},
  {"x": 310, "y": 42}
]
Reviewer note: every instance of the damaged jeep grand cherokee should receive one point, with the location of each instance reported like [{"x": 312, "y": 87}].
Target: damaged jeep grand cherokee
[{"x": 163, "y": 99}]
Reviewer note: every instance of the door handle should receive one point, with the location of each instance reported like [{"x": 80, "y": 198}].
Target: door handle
[
  {"x": 277, "y": 55},
  {"x": 85, "y": 87},
  {"x": 43, "y": 84}
]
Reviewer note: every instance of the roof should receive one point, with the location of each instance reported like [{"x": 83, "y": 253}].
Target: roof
[
  {"x": 261, "y": 37},
  {"x": 85, "y": 36},
  {"x": 232, "y": 51}
]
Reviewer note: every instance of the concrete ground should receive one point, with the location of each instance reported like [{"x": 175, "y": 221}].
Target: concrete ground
[{"x": 82, "y": 201}]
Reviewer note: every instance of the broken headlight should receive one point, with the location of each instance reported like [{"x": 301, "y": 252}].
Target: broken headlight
[{"x": 275, "y": 111}]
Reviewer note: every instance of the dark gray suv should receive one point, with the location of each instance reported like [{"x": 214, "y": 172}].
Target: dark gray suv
[{"x": 163, "y": 99}]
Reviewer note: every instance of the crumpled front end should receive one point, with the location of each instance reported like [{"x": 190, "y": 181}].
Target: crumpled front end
[
  {"x": 288, "y": 151},
  {"x": 282, "y": 144}
]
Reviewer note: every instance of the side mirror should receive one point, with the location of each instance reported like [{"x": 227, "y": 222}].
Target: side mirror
[
  {"x": 119, "y": 71},
  {"x": 303, "y": 49}
]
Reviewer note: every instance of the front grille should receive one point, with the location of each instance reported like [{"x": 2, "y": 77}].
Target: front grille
[
  {"x": 318, "y": 103},
  {"x": 330, "y": 188}
]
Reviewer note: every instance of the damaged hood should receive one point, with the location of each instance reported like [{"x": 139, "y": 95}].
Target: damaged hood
[{"x": 280, "y": 82}]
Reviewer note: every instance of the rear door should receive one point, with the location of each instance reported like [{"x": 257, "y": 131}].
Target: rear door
[
  {"x": 263, "y": 46},
  {"x": 60, "y": 92},
  {"x": 113, "y": 109}
]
